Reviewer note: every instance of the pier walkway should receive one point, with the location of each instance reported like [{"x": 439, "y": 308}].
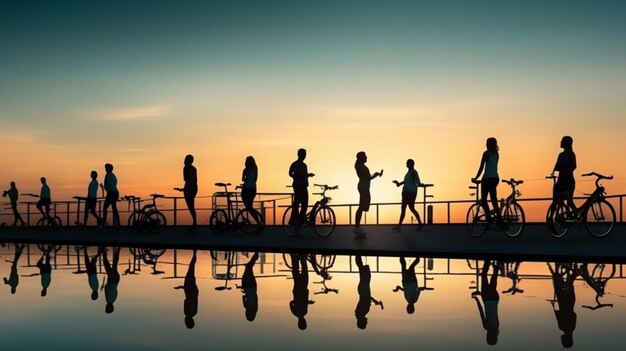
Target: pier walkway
[{"x": 440, "y": 240}]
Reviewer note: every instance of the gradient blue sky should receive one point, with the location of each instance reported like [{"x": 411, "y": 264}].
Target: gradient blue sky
[{"x": 142, "y": 83}]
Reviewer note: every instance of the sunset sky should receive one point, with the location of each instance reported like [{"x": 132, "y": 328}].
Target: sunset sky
[{"x": 140, "y": 84}]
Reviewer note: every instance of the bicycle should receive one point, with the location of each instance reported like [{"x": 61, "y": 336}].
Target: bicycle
[
  {"x": 597, "y": 278},
  {"x": 511, "y": 213},
  {"x": 51, "y": 220},
  {"x": 223, "y": 220},
  {"x": 596, "y": 213},
  {"x": 321, "y": 216},
  {"x": 147, "y": 218}
]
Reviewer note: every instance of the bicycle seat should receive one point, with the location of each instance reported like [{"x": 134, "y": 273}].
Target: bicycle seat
[
  {"x": 222, "y": 184},
  {"x": 156, "y": 196}
]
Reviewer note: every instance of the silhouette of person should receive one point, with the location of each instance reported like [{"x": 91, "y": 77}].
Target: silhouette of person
[
  {"x": 92, "y": 199},
  {"x": 300, "y": 304},
  {"x": 110, "y": 185},
  {"x": 92, "y": 273},
  {"x": 365, "y": 294},
  {"x": 410, "y": 285},
  {"x": 14, "y": 279},
  {"x": 490, "y": 180},
  {"x": 113, "y": 278},
  {"x": 565, "y": 165},
  {"x": 249, "y": 178},
  {"x": 299, "y": 172},
  {"x": 43, "y": 205},
  {"x": 563, "y": 278},
  {"x": 190, "y": 189},
  {"x": 490, "y": 300},
  {"x": 248, "y": 287},
  {"x": 13, "y": 194},
  {"x": 190, "y": 306},
  {"x": 364, "y": 191},
  {"x": 409, "y": 193},
  {"x": 45, "y": 271}
]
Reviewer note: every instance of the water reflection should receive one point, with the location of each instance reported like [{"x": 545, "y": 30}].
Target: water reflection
[{"x": 280, "y": 286}]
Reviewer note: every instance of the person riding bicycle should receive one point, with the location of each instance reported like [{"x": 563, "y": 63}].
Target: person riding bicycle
[
  {"x": 249, "y": 178},
  {"x": 364, "y": 191},
  {"x": 565, "y": 165},
  {"x": 409, "y": 193},
  {"x": 299, "y": 172},
  {"x": 490, "y": 180},
  {"x": 43, "y": 205},
  {"x": 13, "y": 195}
]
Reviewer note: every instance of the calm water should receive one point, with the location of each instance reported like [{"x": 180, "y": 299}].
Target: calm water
[{"x": 160, "y": 300}]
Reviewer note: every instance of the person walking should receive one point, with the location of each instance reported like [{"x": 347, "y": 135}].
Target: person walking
[
  {"x": 409, "y": 193},
  {"x": 110, "y": 186},
  {"x": 13, "y": 195}
]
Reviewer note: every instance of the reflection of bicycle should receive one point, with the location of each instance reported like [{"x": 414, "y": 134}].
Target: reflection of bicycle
[
  {"x": 147, "y": 256},
  {"x": 510, "y": 269},
  {"x": 230, "y": 219},
  {"x": 147, "y": 218},
  {"x": 321, "y": 264},
  {"x": 321, "y": 217},
  {"x": 596, "y": 213},
  {"x": 511, "y": 213},
  {"x": 596, "y": 276},
  {"x": 51, "y": 220}
]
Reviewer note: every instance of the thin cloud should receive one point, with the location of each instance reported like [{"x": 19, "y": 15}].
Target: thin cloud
[{"x": 141, "y": 113}]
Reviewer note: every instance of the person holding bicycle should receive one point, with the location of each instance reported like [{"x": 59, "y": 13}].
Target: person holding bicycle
[
  {"x": 190, "y": 189},
  {"x": 409, "y": 193},
  {"x": 299, "y": 172},
  {"x": 249, "y": 178},
  {"x": 13, "y": 194},
  {"x": 248, "y": 287},
  {"x": 299, "y": 306},
  {"x": 92, "y": 198},
  {"x": 364, "y": 191},
  {"x": 490, "y": 180},
  {"x": 563, "y": 278},
  {"x": 43, "y": 205},
  {"x": 490, "y": 299},
  {"x": 110, "y": 185},
  {"x": 565, "y": 165}
]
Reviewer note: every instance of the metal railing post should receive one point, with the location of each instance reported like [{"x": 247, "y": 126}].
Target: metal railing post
[
  {"x": 68, "y": 213},
  {"x": 448, "y": 212},
  {"x": 175, "y": 213},
  {"x": 621, "y": 212},
  {"x": 377, "y": 214},
  {"x": 350, "y": 214}
]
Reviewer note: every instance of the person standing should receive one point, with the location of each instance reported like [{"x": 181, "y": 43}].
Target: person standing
[
  {"x": 565, "y": 165},
  {"x": 299, "y": 172},
  {"x": 92, "y": 199},
  {"x": 409, "y": 193},
  {"x": 110, "y": 185},
  {"x": 364, "y": 191},
  {"x": 13, "y": 195},
  {"x": 190, "y": 287},
  {"x": 490, "y": 180},
  {"x": 249, "y": 178},
  {"x": 45, "y": 199},
  {"x": 190, "y": 190}
]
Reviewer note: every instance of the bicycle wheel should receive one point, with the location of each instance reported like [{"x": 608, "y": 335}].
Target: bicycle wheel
[
  {"x": 324, "y": 221},
  {"x": 155, "y": 221},
  {"x": 135, "y": 222},
  {"x": 600, "y": 218},
  {"x": 57, "y": 222},
  {"x": 476, "y": 220},
  {"x": 514, "y": 218},
  {"x": 246, "y": 222},
  {"x": 218, "y": 222},
  {"x": 324, "y": 261},
  {"x": 556, "y": 220},
  {"x": 289, "y": 227}
]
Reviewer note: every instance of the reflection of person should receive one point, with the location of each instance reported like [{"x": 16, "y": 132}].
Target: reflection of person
[
  {"x": 491, "y": 179},
  {"x": 299, "y": 306},
  {"x": 566, "y": 299},
  {"x": 45, "y": 272},
  {"x": 110, "y": 185},
  {"x": 299, "y": 172},
  {"x": 113, "y": 278},
  {"x": 190, "y": 306},
  {"x": 249, "y": 178},
  {"x": 13, "y": 194},
  {"x": 190, "y": 190},
  {"x": 490, "y": 300},
  {"x": 92, "y": 273},
  {"x": 364, "y": 190},
  {"x": 14, "y": 278},
  {"x": 409, "y": 193},
  {"x": 248, "y": 287},
  {"x": 92, "y": 198},
  {"x": 45, "y": 199},
  {"x": 365, "y": 294},
  {"x": 409, "y": 286},
  {"x": 565, "y": 165}
]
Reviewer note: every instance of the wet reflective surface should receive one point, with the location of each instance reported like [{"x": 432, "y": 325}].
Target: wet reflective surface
[{"x": 75, "y": 297}]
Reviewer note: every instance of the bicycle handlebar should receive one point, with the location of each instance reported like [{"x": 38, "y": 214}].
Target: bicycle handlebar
[
  {"x": 600, "y": 176},
  {"x": 512, "y": 181},
  {"x": 326, "y": 187}
]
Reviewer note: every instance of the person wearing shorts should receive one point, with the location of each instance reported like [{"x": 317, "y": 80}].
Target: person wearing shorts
[
  {"x": 364, "y": 191},
  {"x": 110, "y": 185},
  {"x": 409, "y": 193}
]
